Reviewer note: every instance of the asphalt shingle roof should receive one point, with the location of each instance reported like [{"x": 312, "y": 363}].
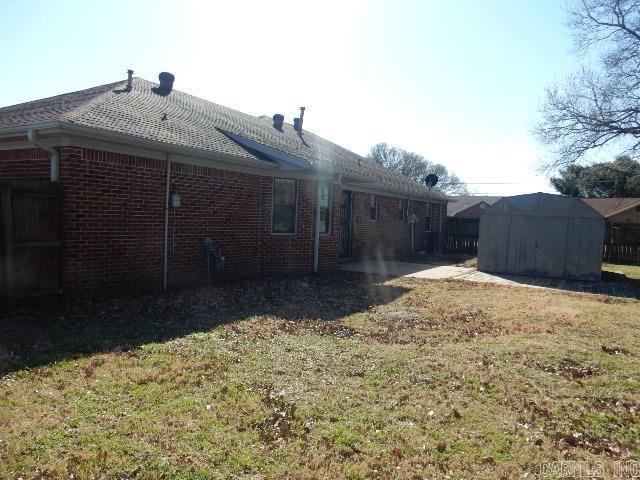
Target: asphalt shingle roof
[
  {"x": 462, "y": 202},
  {"x": 607, "y": 206},
  {"x": 185, "y": 120}
]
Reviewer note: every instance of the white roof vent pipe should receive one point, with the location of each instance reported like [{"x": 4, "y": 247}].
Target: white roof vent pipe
[{"x": 297, "y": 122}]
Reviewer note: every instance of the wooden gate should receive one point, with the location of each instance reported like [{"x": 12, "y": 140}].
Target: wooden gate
[{"x": 30, "y": 240}]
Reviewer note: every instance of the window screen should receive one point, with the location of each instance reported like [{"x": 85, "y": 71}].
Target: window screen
[
  {"x": 285, "y": 196},
  {"x": 373, "y": 208},
  {"x": 325, "y": 207},
  {"x": 427, "y": 221},
  {"x": 402, "y": 210}
]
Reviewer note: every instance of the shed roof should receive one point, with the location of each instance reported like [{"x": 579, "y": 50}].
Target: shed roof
[
  {"x": 187, "y": 121},
  {"x": 542, "y": 205}
]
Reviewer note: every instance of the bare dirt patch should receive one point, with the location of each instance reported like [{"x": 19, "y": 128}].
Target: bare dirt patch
[
  {"x": 470, "y": 322},
  {"x": 570, "y": 369},
  {"x": 278, "y": 426},
  {"x": 615, "y": 350},
  {"x": 597, "y": 445},
  {"x": 317, "y": 327}
]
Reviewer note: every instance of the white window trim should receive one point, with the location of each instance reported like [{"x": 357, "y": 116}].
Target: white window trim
[{"x": 295, "y": 218}]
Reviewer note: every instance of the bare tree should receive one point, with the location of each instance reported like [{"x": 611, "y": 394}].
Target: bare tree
[
  {"x": 416, "y": 167},
  {"x": 599, "y": 106}
]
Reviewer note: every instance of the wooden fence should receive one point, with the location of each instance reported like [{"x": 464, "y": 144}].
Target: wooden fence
[
  {"x": 30, "y": 240},
  {"x": 622, "y": 243},
  {"x": 462, "y": 235},
  {"x": 462, "y": 244}
]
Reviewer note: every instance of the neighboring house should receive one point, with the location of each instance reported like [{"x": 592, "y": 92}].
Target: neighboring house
[
  {"x": 616, "y": 210},
  {"x": 622, "y": 238},
  {"x": 148, "y": 173},
  {"x": 469, "y": 206}
]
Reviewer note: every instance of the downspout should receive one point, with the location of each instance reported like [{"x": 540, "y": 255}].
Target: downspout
[
  {"x": 166, "y": 224},
  {"x": 32, "y": 136},
  {"x": 440, "y": 232},
  {"x": 316, "y": 240}
]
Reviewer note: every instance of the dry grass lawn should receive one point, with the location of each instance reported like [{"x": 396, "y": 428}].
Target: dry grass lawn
[{"x": 340, "y": 376}]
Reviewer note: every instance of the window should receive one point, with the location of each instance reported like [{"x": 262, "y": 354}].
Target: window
[
  {"x": 402, "y": 210},
  {"x": 427, "y": 220},
  {"x": 373, "y": 208},
  {"x": 325, "y": 208},
  {"x": 285, "y": 205}
]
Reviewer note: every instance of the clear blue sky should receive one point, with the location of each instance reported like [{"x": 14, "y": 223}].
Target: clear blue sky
[{"x": 459, "y": 82}]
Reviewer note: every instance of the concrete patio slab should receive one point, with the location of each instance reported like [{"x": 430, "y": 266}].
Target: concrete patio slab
[
  {"x": 406, "y": 269},
  {"x": 439, "y": 271}
]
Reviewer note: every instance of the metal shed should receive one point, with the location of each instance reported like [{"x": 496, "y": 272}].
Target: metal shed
[{"x": 543, "y": 235}]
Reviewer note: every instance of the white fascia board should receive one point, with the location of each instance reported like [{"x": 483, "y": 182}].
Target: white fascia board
[
  {"x": 286, "y": 161},
  {"x": 61, "y": 137},
  {"x": 68, "y": 134}
]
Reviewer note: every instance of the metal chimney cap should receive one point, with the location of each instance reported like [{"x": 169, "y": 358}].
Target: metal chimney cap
[
  {"x": 278, "y": 120},
  {"x": 166, "y": 84},
  {"x": 166, "y": 78}
]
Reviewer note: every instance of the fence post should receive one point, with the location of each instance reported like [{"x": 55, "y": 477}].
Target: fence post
[{"x": 9, "y": 261}]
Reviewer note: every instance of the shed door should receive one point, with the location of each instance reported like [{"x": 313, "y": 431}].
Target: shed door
[
  {"x": 521, "y": 252},
  {"x": 551, "y": 246},
  {"x": 537, "y": 246}
]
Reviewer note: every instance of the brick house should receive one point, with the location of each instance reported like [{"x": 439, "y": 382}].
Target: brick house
[
  {"x": 148, "y": 173},
  {"x": 616, "y": 210}
]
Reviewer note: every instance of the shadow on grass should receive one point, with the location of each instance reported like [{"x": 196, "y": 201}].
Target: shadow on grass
[
  {"x": 633, "y": 282},
  {"x": 611, "y": 285},
  {"x": 32, "y": 337}
]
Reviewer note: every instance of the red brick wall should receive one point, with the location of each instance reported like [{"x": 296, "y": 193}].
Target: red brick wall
[
  {"x": 330, "y": 244},
  {"x": 113, "y": 209},
  {"x": 223, "y": 205},
  {"x": 28, "y": 164},
  {"x": 113, "y": 221},
  {"x": 388, "y": 237}
]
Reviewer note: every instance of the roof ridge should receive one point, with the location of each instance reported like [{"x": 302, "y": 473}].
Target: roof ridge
[
  {"x": 59, "y": 96},
  {"x": 84, "y": 106}
]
